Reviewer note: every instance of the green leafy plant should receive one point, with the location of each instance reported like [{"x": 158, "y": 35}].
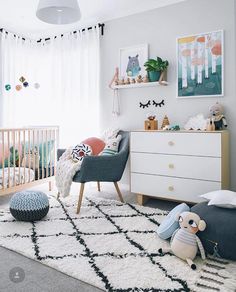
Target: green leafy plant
[{"x": 156, "y": 65}]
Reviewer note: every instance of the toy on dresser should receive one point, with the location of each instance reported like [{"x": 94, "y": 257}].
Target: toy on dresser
[
  {"x": 217, "y": 117},
  {"x": 184, "y": 241}
]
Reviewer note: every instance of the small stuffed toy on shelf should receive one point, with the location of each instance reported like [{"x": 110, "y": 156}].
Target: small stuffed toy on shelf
[
  {"x": 184, "y": 241},
  {"x": 217, "y": 116}
]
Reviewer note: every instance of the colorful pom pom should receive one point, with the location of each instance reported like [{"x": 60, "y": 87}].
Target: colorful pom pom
[
  {"x": 18, "y": 87},
  {"x": 25, "y": 84},
  {"x": 36, "y": 85},
  {"x": 22, "y": 79},
  {"x": 7, "y": 87}
]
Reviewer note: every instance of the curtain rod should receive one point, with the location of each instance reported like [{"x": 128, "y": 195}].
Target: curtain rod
[{"x": 100, "y": 25}]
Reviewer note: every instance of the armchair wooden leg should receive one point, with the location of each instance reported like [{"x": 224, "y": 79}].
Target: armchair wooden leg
[
  {"x": 99, "y": 188},
  {"x": 118, "y": 191},
  {"x": 80, "y": 197},
  {"x": 58, "y": 195}
]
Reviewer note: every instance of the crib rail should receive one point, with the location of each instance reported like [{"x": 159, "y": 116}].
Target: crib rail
[{"x": 27, "y": 157}]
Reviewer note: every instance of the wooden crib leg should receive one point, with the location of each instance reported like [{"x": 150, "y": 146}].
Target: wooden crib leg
[{"x": 50, "y": 185}]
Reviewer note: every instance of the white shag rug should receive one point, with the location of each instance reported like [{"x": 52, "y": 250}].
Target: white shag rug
[{"x": 112, "y": 246}]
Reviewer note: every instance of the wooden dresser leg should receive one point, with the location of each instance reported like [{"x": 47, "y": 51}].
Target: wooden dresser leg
[
  {"x": 141, "y": 199},
  {"x": 99, "y": 186}
]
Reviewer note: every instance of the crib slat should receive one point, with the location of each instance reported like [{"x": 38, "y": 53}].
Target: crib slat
[
  {"x": 24, "y": 153},
  {"x": 33, "y": 154},
  {"x": 14, "y": 158},
  {"x": 38, "y": 141},
  {"x": 19, "y": 156},
  {"x": 29, "y": 160},
  {"x": 51, "y": 152},
  {"x": 42, "y": 164},
  {"x": 8, "y": 144},
  {"x": 46, "y": 139},
  {"x": 3, "y": 160}
]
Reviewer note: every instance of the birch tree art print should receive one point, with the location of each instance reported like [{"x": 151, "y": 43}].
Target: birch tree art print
[{"x": 200, "y": 65}]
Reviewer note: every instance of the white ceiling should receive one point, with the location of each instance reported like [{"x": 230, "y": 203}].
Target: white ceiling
[{"x": 19, "y": 15}]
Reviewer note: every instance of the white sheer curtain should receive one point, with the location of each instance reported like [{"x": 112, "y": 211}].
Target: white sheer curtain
[{"x": 67, "y": 70}]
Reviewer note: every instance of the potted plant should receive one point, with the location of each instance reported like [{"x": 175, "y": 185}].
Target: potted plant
[{"x": 155, "y": 68}]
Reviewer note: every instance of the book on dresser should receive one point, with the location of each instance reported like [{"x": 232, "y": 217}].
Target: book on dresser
[{"x": 178, "y": 165}]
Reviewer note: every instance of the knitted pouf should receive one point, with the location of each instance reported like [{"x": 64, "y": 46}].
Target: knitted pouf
[{"x": 29, "y": 205}]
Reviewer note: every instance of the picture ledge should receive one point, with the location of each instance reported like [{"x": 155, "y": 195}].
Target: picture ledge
[{"x": 142, "y": 84}]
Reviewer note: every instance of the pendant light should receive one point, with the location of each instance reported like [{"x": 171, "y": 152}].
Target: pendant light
[{"x": 58, "y": 11}]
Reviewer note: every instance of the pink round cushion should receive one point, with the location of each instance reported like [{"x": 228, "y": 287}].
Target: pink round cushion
[{"x": 96, "y": 144}]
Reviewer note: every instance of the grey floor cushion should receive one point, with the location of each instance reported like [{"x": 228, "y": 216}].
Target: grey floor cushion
[
  {"x": 29, "y": 205},
  {"x": 220, "y": 233}
]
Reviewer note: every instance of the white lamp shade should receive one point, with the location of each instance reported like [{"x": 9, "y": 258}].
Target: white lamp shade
[{"x": 58, "y": 11}]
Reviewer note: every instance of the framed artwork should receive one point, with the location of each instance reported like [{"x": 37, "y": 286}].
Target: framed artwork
[
  {"x": 131, "y": 61},
  {"x": 200, "y": 65}
]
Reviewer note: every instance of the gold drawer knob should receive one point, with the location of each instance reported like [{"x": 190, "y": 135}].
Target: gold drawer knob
[
  {"x": 171, "y": 166},
  {"x": 171, "y": 143},
  {"x": 171, "y": 188}
]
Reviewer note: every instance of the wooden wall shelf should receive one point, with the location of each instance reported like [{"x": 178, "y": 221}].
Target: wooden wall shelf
[{"x": 142, "y": 84}]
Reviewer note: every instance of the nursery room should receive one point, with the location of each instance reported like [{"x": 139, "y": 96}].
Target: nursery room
[{"x": 117, "y": 146}]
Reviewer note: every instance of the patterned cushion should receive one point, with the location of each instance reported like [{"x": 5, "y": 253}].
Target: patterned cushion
[
  {"x": 112, "y": 146},
  {"x": 29, "y": 205},
  {"x": 79, "y": 151}
]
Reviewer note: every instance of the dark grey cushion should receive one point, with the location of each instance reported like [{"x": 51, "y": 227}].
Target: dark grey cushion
[{"x": 221, "y": 229}]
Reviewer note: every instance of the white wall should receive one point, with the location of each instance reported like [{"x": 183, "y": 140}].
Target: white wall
[{"x": 159, "y": 28}]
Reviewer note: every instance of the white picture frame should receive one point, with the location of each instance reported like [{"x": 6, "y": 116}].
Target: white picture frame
[
  {"x": 133, "y": 58},
  {"x": 196, "y": 81}
]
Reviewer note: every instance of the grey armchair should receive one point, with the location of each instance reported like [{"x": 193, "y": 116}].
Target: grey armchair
[{"x": 102, "y": 168}]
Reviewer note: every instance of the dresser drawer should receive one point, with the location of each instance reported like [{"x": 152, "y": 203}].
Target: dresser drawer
[
  {"x": 171, "y": 188},
  {"x": 198, "y": 144},
  {"x": 204, "y": 168}
]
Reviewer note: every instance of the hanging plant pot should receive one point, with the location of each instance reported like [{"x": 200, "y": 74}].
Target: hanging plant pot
[{"x": 154, "y": 75}]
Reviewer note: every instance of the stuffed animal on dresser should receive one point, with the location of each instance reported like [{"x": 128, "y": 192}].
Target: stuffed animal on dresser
[
  {"x": 184, "y": 241},
  {"x": 217, "y": 116}
]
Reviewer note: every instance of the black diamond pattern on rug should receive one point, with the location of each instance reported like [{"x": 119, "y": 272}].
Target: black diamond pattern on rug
[{"x": 110, "y": 245}]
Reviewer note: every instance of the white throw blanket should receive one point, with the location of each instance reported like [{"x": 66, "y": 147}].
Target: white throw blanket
[{"x": 66, "y": 169}]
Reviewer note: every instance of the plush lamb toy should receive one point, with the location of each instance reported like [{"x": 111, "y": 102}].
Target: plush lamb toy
[{"x": 184, "y": 241}]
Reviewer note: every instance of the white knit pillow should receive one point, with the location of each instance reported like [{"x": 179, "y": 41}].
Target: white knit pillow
[{"x": 109, "y": 134}]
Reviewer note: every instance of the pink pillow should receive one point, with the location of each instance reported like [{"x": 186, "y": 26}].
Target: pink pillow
[{"x": 96, "y": 144}]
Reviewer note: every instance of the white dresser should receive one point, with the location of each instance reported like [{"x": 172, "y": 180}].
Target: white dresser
[{"x": 178, "y": 165}]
